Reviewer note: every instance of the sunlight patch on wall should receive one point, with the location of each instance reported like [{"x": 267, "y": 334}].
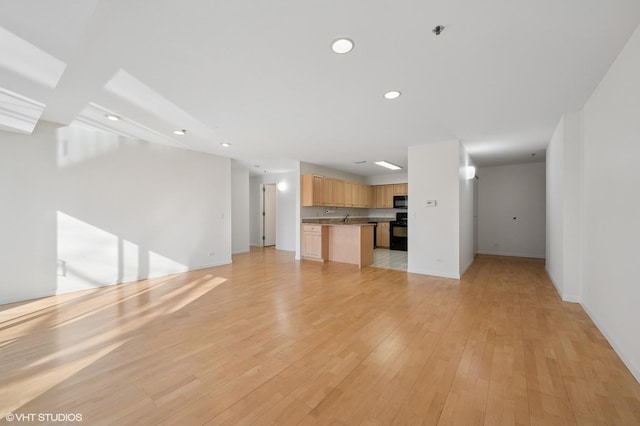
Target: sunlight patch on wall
[
  {"x": 161, "y": 265},
  {"x": 90, "y": 255}
]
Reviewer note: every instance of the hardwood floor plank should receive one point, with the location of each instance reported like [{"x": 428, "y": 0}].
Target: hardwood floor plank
[{"x": 268, "y": 340}]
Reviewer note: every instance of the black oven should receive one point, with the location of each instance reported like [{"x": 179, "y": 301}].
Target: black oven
[
  {"x": 400, "y": 201},
  {"x": 398, "y": 232}
]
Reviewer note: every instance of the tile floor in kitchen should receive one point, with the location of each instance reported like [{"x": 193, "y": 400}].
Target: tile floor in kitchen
[{"x": 390, "y": 259}]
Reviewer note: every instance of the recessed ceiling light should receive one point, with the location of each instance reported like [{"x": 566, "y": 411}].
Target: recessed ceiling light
[
  {"x": 360, "y": 162},
  {"x": 225, "y": 144},
  {"x": 112, "y": 117},
  {"x": 179, "y": 132},
  {"x": 393, "y": 94},
  {"x": 388, "y": 165},
  {"x": 342, "y": 46}
]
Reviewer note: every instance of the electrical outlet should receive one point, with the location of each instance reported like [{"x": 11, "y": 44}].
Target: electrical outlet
[
  {"x": 439, "y": 260},
  {"x": 211, "y": 253},
  {"x": 62, "y": 268}
]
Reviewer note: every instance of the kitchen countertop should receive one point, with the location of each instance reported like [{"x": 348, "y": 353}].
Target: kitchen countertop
[
  {"x": 343, "y": 224},
  {"x": 351, "y": 221}
]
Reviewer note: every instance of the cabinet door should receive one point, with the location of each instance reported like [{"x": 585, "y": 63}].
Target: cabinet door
[
  {"x": 362, "y": 195},
  {"x": 387, "y": 196},
  {"x": 400, "y": 189},
  {"x": 312, "y": 244},
  {"x": 379, "y": 197},
  {"x": 312, "y": 190},
  {"x": 327, "y": 192},
  {"x": 338, "y": 192},
  {"x": 348, "y": 194},
  {"x": 370, "y": 191},
  {"x": 382, "y": 234},
  {"x": 318, "y": 190}
]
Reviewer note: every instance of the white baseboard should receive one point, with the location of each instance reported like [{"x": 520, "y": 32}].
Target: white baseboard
[
  {"x": 504, "y": 253},
  {"x": 616, "y": 348},
  {"x": 554, "y": 282},
  {"x": 467, "y": 267},
  {"x": 565, "y": 297},
  {"x": 241, "y": 251},
  {"x": 23, "y": 298}
]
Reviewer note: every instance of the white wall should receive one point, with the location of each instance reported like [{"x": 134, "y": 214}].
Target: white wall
[
  {"x": 434, "y": 232},
  {"x": 287, "y": 209},
  {"x": 110, "y": 209},
  {"x": 239, "y": 208},
  {"x": 554, "y": 246},
  {"x": 564, "y": 198},
  {"x": 611, "y": 205},
  {"x": 387, "y": 179},
  {"x": 467, "y": 198},
  {"x": 508, "y": 192},
  {"x": 306, "y": 168}
]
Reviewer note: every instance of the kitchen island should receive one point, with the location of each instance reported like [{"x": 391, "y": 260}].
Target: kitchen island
[{"x": 338, "y": 242}]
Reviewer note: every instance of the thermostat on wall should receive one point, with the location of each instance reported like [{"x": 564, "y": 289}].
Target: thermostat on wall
[{"x": 432, "y": 203}]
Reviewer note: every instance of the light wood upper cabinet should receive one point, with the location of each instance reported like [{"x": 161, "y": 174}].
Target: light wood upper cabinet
[
  {"x": 338, "y": 190},
  {"x": 327, "y": 191},
  {"x": 384, "y": 196},
  {"x": 331, "y": 192},
  {"x": 362, "y": 195},
  {"x": 312, "y": 190},
  {"x": 348, "y": 194},
  {"x": 400, "y": 189}
]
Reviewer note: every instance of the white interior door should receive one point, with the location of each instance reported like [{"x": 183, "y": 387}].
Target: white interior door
[{"x": 269, "y": 214}]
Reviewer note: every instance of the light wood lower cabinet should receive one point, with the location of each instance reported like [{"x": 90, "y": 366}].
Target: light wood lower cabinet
[
  {"x": 315, "y": 242},
  {"x": 383, "y": 238}
]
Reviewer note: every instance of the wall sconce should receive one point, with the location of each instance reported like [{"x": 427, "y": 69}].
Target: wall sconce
[
  {"x": 282, "y": 186},
  {"x": 470, "y": 172}
]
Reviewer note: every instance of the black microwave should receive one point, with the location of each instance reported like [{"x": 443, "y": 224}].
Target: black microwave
[{"x": 400, "y": 201}]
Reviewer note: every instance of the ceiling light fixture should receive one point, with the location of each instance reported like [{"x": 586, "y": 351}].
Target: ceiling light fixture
[
  {"x": 342, "y": 46},
  {"x": 112, "y": 117},
  {"x": 180, "y": 132},
  {"x": 393, "y": 94},
  {"x": 470, "y": 172},
  {"x": 388, "y": 165},
  {"x": 225, "y": 144},
  {"x": 360, "y": 162}
]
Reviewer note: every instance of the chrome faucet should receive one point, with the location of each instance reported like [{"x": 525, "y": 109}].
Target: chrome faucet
[{"x": 346, "y": 218}]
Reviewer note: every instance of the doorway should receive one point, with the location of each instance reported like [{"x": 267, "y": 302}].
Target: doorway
[{"x": 268, "y": 224}]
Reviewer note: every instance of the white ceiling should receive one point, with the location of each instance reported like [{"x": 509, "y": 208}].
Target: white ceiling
[{"x": 261, "y": 75}]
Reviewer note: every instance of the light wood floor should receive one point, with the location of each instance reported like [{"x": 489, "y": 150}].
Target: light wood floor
[{"x": 270, "y": 340}]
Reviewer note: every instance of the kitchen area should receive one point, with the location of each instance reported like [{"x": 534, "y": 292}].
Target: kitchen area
[{"x": 351, "y": 222}]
